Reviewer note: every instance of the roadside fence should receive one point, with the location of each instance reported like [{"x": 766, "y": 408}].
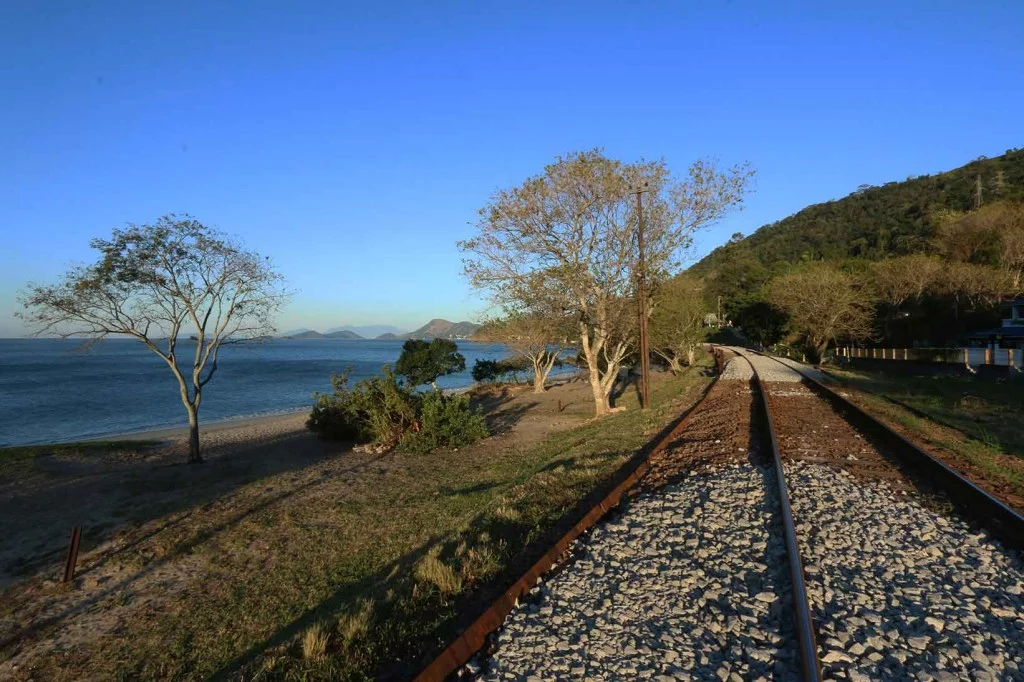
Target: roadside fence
[{"x": 968, "y": 357}]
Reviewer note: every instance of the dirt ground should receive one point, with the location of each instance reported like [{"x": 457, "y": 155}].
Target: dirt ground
[{"x": 144, "y": 512}]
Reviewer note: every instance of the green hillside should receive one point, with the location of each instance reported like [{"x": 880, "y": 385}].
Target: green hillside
[
  {"x": 874, "y": 222},
  {"x": 868, "y": 241}
]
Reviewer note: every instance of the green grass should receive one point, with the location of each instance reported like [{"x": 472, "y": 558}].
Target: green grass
[
  {"x": 18, "y": 461},
  {"x": 977, "y": 420},
  {"x": 358, "y": 575}
]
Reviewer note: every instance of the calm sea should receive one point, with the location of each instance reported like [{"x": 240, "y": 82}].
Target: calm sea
[{"x": 51, "y": 391}]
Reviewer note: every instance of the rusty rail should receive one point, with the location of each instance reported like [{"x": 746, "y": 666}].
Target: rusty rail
[
  {"x": 475, "y": 636},
  {"x": 971, "y": 499},
  {"x": 805, "y": 630}
]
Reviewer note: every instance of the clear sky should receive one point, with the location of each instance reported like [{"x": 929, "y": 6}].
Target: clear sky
[{"x": 354, "y": 142}]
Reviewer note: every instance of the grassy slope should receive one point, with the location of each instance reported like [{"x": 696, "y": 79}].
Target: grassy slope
[
  {"x": 356, "y": 575},
  {"x": 988, "y": 413}
]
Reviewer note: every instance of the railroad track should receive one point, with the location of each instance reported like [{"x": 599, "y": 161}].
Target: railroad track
[
  {"x": 895, "y": 589},
  {"x": 768, "y": 536}
]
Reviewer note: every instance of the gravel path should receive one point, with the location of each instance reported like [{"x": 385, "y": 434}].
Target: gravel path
[
  {"x": 901, "y": 592},
  {"x": 688, "y": 583}
]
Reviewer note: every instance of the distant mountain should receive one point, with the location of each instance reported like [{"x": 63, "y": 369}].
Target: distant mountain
[
  {"x": 342, "y": 334},
  {"x": 367, "y": 331},
  {"x": 308, "y": 334},
  {"x": 443, "y": 329},
  {"x": 387, "y": 336}
]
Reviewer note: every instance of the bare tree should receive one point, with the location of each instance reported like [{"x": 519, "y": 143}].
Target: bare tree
[
  {"x": 971, "y": 285},
  {"x": 167, "y": 279},
  {"x": 577, "y": 224},
  {"x": 824, "y": 304},
  {"x": 906, "y": 278},
  {"x": 677, "y": 322},
  {"x": 535, "y": 336}
]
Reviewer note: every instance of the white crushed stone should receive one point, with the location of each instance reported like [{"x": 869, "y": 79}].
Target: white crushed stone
[
  {"x": 688, "y": 583},
  {"x": 901, "y": 592},
  {"x": 737, "y": 369}
]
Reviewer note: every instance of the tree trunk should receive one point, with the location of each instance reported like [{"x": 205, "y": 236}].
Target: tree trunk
[
  {"x": 602, "y": 406},
  {"x": 821, "y": 348},
  {"x": 674, "y": 366},
  {"x": 193, "y": 436},
  {"x": 538, "y": 382},
  {"x": 601, "y": 403}
]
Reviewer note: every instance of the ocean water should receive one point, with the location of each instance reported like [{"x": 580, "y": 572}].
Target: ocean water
[{"x": 52, "y": 391}]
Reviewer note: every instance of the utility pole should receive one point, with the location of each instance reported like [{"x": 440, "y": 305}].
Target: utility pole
[
  {"x": 641, "y": 289},
  {"x": 977, "y": 192}
]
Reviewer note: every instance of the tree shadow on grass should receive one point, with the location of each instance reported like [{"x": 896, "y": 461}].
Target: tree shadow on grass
[
  {"x": 179, "y": 549},
  {"x": 37, "y": 522}
]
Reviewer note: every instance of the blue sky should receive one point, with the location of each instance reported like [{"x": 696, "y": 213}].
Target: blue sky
[{"x": 354, "y": 142}]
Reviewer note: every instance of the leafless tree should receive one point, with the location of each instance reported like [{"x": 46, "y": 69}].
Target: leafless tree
[
  {"x": 824, "y": 304},
  {"x": 535, "y": 336},
  {"x": 906, "y": 278},
  {"x": 155, "y": 283},
  {"x": 577, "y": 224},
  {"x": 971, "y": 285}
]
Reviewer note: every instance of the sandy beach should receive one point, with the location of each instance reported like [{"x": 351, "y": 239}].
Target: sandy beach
[{"x": 222, "y": 430}]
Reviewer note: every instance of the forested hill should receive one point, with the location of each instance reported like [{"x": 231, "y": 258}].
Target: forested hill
[{"x": 874, "y": 222}]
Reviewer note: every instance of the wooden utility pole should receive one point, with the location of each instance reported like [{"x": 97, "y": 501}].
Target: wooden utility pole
[{"x": 645, "y": 355}]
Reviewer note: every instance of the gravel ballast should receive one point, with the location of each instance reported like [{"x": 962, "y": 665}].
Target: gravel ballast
[
  {"x": 900, "y": 591},
  {"x": 770, "y": 370},
  {"x": 687, "y": 583},
  {"x": 737, "y": 369}
]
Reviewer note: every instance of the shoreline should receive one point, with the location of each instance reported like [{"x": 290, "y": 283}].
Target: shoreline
[
  {"x": 280, "y": 422},
  {"x": 176, "y": 433}
]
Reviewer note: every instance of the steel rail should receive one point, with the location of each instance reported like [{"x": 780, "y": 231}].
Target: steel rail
[
  {"x": 474, "y": 637},
  {"x": 805, "y": 630},
  {"x": 971, "y": 499}
]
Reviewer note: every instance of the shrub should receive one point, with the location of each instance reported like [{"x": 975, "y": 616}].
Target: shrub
[
  {"x": 446, "y": 421},
  {"x": 422, "y": 363},
  {"x": 387, "y": 412},
  {"x": 338, "y": 416},
  {"x": 377, "y": 409}
]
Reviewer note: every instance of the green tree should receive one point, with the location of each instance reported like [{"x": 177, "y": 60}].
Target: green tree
[
  {"x": 154, "y": 283},
  {"x": 422, "y": 362},
  {"x": 677, "y": 322},
  {"x": 760, "y": 321}
]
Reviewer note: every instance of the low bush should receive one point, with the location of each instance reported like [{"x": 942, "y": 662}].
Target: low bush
[
  {"x": 379, "y": 409},
  {"x": 446, "y": 421},
  {"x": 388, "y": 412}
]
